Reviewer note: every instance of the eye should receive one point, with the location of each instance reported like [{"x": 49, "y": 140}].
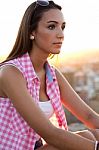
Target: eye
[
  {"x": 51, "y": 27},
  {"x": 63, "y": 27}
]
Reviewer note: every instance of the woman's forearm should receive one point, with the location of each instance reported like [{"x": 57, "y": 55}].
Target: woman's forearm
[
  {"x": 67, "y": 140},
  {"x": 94, "y": 120}
]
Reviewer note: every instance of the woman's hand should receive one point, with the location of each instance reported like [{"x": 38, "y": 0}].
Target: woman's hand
[{"x": 96, "y": 133}]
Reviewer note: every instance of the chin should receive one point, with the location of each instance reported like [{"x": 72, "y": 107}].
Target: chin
[{"x": 56, "y": 51}]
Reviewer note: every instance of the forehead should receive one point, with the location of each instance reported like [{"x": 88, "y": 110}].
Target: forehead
[{"x": 53, "y": 15}]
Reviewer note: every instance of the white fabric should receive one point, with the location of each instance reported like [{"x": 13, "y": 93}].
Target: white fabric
[{"x": 47, "y": 108}]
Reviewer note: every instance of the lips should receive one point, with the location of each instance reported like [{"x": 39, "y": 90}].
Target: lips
[{"x": 58, "y": 43}]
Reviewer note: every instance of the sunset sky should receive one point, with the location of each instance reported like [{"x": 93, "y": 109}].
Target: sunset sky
[{"x": 81, "y": 33}]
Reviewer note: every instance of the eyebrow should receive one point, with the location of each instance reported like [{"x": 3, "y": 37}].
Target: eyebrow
[{"x": 55, "y": 22}]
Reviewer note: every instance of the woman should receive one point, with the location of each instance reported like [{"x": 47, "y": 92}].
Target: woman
[{"x": 31, "y": 90}]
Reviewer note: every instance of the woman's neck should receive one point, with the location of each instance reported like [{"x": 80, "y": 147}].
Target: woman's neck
[{"x": 38, "y": 61}]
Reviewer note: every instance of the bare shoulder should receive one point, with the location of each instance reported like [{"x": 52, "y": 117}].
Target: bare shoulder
[
  {"x": 58, "y": 72},
  {"x": 9, "y": 72},
  {"x": 7, "y": 69},
  {"x": 9, "y": 75}
]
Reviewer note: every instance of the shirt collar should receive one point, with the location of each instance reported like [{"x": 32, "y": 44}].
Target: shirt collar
[{"x": 27, "y": 64}]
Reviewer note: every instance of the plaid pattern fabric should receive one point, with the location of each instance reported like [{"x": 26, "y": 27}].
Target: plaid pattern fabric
[{"x": 15, "y": 133}]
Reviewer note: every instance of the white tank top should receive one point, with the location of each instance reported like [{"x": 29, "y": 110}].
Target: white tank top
[{"x": 47, "y": 108}]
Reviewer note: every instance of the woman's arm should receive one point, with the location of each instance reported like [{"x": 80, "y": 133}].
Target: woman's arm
[
  {"x": 75, "y": 104},
  {"x": 14, "y": 87}
]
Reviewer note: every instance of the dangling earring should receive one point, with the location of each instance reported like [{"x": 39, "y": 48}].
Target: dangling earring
[{"x": 32, "y": 37}]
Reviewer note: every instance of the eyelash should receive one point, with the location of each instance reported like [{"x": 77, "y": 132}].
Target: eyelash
[{"x": 52, "y": 27}]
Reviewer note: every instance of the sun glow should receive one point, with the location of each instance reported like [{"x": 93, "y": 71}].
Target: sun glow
[{"x": 81, "y": 33}]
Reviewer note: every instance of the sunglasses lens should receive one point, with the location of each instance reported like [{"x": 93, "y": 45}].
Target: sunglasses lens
[{"x": 43, "y": 2}]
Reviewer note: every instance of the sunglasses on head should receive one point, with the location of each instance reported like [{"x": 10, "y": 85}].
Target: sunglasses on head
[{"x": 42, "y": 2}]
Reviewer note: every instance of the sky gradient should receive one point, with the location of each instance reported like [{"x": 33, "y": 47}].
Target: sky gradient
[{"x": 81, "y": 33}]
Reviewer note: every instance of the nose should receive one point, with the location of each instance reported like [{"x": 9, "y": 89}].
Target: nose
[{"x": 60, "y": 34}]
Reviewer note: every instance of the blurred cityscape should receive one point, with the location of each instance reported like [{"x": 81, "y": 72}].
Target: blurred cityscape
[{"x": 84, "y": 79}]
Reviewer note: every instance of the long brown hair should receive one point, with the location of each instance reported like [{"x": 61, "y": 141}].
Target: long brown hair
[{"x": 29, "y": 23}]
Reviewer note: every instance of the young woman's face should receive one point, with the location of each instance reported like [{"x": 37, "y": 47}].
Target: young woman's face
[{"x": 50, "y": 32}]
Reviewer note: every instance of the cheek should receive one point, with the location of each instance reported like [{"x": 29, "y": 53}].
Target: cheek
[{"x": 46, "y": 37}]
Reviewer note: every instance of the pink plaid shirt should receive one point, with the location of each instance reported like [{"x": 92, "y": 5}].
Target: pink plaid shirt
[{"x": 15, "y": 133}]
